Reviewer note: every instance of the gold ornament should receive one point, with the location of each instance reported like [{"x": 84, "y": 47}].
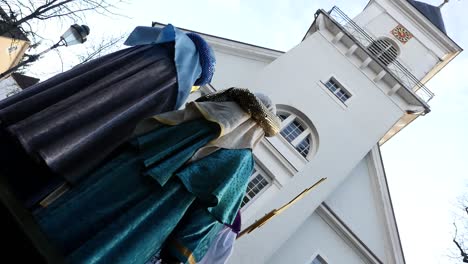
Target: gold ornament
[{"x": 270, "y": 123}]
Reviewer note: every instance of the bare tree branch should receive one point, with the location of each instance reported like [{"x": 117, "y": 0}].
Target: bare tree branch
[
  {"x": 60, "y": 57},
  {"x": 102, "y": 48},
  {"x": 26, "y": 17},
  {"x": 459, "y": 240},
  {"x": 53, "y": 9},
  {"x": 462, "y": 252}
]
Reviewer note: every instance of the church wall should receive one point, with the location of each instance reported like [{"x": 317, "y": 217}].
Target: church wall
[
  {"x": 314, "y": 237},
  {"x": 355, "y": 203},
  {"x": 234, "y": 70},
  {"x": 346, "y": 134}
]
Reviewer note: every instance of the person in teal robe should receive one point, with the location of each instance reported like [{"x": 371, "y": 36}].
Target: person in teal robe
[{"x": 170, "y": 190}]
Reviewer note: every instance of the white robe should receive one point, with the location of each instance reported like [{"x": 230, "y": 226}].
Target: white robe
[{"x": 221, "y": 248}]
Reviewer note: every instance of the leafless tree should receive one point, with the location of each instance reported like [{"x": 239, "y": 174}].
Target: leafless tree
[
  {"x": 25, "y": 17},
  {"x": 92, "y": 49},
  {"x": 26, "y": 14},
  {"x": 460, "y": 237},
  {"x": 100, "y": 48}
]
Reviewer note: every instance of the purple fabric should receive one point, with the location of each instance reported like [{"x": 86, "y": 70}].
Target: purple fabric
[{"x": 236, "y": 225}]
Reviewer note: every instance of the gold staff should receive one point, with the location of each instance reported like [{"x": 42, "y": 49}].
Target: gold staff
[{"x": 260, "y": 222}]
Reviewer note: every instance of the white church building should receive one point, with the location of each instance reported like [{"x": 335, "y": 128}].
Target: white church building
[{"x": 347, "y": 88}]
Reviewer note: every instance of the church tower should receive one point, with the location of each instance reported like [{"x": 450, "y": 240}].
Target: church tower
[
  {"x": 412, "y": 32},
  {"x": 410, "y": 38},
  {"x": 345, "y": 89},
  {"x": 350, "y": 85}
]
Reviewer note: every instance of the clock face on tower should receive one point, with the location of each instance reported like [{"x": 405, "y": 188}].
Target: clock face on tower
[{"x": 402, "y": 34}]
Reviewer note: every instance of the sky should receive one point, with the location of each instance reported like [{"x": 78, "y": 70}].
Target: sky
[{"x": 425, "y": 163}]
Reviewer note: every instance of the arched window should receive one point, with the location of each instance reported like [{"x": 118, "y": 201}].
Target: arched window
[
  {"x": 296, "y": 133},
  {"x": 385, "y": 50}
]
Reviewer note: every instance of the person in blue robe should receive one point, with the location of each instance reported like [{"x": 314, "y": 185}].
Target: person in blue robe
[
  {"x": 170, "y": 190},
  {"x": 58, "y": 130}
]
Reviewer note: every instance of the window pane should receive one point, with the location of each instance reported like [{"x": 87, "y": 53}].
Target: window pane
[
  {"x": 339, "y": 93},
  {"x": 303, "y": 147},
  {"x": 338, "y": 90},
  {"x": 283, "y": 116},
  {"x": 291, "y": 131},
  {"x": 295, "y": 129},
  {"x": 331, "y": 85},
  {"x": 256, "y": 185}
]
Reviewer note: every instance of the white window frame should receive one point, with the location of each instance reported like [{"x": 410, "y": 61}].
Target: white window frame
[
  {"x": 339, "y": 88},
  {"x": 304, "y": 134},
  {"x": 264, "y": 175}
]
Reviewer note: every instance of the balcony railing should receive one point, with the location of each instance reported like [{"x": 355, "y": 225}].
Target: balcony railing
[{"x": 384, "y": 53}]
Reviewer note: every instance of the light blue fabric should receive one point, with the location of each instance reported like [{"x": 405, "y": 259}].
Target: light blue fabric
[
  {"x": 125, "y": 211},
  {"x": 186, "y": 56}
]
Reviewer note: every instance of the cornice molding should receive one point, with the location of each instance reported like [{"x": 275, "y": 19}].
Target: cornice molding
[{"x": 327, "y": 214}]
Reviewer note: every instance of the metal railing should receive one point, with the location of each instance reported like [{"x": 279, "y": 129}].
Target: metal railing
[{"x": 382, "y": 51}]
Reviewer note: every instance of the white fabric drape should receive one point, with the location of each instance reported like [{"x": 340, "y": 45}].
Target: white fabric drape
[
  {"x": 238, "y": 130},
  {"x": 221, "y": 248}
]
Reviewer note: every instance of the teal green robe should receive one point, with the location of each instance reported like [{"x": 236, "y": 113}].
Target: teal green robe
[{"x": 127, "y": 209}]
